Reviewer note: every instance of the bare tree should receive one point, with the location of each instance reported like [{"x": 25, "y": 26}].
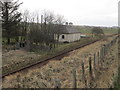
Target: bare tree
[
  {"x": 24, "y": 24},
  {"x": 28, "y": 25},
  {"x": 60, "y": 20},
  {"x": 48, "y": 27},
  {"x": 53, "y": 25},
  {"x": 34, "y": 34},
  {"x": 45, "y": 33}
]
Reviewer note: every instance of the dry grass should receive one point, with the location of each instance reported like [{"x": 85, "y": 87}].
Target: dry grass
[
  {"x": 111, "y": 66},
  {"x": 14, "y": 56},
  {"x": 16, "y": 59},
  {"x": 62, "y": 70}
]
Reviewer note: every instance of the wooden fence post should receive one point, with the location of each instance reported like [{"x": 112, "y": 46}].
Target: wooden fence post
[
  {"x": 108, "y": 46},
  {"x": 18, "y": 81},
  {"x": 90, "y": 72},
  {"x": 57, "y": 84},
  {"x": 95, "y": 68},
  {"x": 94, "y": 61},
  {"x": 98, "y": 58},
  {"x": 74, "y": 78},
  {"x": 83, "y": 71},
  {"x": 110, "y": 43},
  {"x": 104, "y": 50},
  {"x": 90, "y": 67},
  {"x": 103, "y": 55},
  {"x": 83, "y": 74}
]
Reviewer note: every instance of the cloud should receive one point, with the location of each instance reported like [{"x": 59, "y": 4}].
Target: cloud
[{"x": 92, "y": 12}]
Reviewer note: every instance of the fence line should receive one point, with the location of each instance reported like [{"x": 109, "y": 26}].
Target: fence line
[{"x": 98, "y": 60}]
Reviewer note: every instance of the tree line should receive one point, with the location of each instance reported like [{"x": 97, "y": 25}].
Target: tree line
[
  {"x": 32, "y": 28},
  {"x": 29, "y": 27}
]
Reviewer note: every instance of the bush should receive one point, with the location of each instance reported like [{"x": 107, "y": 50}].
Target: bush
[{"x": 97, "y": 31}]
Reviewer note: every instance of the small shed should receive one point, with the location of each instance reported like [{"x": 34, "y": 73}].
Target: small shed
[
  {"x": 68, "y": 34},
  {"x": 83, "y": 36}
]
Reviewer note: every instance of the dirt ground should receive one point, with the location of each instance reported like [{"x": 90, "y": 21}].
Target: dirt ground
[
  {"x": 61, "y": 70},
  {"x": 14, "y": 56}
]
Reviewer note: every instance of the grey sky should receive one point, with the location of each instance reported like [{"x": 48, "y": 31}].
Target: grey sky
[{"x": 80, "y": 12}]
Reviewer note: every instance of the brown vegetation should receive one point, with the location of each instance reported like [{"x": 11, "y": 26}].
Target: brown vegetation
[{"x": 62, "y": 70}]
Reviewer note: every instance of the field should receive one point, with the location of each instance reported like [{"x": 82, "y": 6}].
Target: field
[
  {"x": 87, "y": 30},
  {"x": 17, "y": 59},
  {"x": 43, "y": 49},
  {"x": 62, "y": 70}
]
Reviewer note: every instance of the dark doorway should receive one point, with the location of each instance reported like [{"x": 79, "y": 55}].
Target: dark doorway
[{"x": 63, "y": 36}]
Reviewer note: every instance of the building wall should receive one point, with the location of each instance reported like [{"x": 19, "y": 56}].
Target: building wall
[{"x": 69, "y": 37}]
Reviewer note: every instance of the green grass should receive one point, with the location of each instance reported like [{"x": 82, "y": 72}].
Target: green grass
[
  {"x": 111, "y": 31},
  {"x": 87, "y": 30},
  {"x": 84, "y": 30},
  {"x": 12, "y": 40}
]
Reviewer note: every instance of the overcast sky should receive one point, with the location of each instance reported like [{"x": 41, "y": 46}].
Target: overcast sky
[{"x": 80, "y": 12}]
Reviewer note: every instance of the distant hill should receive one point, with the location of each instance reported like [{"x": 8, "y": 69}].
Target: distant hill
[{"x": 87, "y": 29}]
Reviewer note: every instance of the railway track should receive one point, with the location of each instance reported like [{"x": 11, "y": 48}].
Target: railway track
[{"x": 46, "y": 60}]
